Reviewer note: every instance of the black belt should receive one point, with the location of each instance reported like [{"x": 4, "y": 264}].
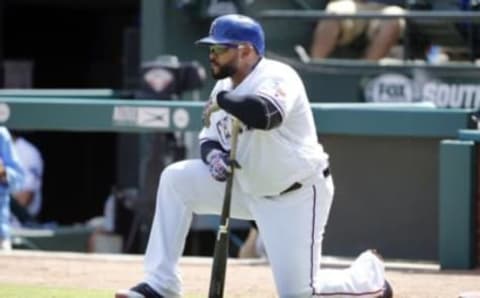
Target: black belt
[{"x": 298, "y": 185}]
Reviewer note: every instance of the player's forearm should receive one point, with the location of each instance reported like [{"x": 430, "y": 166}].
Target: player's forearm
[{"x": 253, "y": 110}]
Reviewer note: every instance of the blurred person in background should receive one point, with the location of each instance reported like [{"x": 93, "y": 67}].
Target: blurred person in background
[
  {"x": 253, "y": 246},
  {"x": 26, "y": 202},
  {"x": 382, "y": 35},
  {"x": 11, "y": 180}
]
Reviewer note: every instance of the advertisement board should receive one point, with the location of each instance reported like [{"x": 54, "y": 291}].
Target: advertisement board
[
  {"x": 451, "y": 85},
  {"x": 422, "y": 86}
]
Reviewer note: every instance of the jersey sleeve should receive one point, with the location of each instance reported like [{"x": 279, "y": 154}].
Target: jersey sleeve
[
  {"x": 281, "y": 92},
  {"x": 210, "y": 133},
  {"x": 207, "y": 134}
]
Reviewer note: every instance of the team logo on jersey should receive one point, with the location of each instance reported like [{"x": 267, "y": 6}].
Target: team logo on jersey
[
  {"x": 223, "y": 130},
  {"x": 279, "y": 92}
]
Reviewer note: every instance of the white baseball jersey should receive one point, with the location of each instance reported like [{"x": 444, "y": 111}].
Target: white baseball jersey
[
  {"x": 271, "y": 161},
  {"x": 291, "y": 224}
]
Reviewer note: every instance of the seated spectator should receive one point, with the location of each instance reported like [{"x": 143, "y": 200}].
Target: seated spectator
[
  {"x": 112, "y": 230},
  {"x": 382, "y": 34},
  {"x": 27, "y": 201},
  {"x": 253, "y": 246},
  {"x": 103, "y": 225}
]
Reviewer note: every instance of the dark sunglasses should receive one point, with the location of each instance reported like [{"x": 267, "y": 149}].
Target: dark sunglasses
[{"x": 219, "y": 49}]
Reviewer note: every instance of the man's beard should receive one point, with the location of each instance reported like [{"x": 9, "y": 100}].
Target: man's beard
[{"x": 224, "y": 72}]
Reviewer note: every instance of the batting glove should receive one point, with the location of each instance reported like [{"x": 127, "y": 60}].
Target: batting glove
[{"x": 219, "y": 165}]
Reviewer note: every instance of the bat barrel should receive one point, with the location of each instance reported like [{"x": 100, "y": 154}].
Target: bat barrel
[{"x": 219, "y": 267}]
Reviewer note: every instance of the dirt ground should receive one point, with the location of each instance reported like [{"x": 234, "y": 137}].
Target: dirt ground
[{"x": 245, "y": 278}]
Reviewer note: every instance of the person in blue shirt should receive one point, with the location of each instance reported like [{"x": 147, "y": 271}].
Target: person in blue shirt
[
  {"x": 382, "y": 35},
  {"x": 11, "y": 179}
]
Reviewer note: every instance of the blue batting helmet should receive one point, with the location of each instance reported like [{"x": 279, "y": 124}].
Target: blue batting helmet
[{"x": 235, "y": 28}]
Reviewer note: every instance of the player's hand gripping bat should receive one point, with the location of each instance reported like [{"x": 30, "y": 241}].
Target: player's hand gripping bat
[{"x": 220, "y": 255}]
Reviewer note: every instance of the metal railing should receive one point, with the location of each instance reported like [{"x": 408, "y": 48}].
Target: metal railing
[
  {"x": 311, "y": 15},
  {"x": 430, "y": 16}
]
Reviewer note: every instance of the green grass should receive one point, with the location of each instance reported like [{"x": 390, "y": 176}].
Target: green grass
[{"x": 23, "y": 291}]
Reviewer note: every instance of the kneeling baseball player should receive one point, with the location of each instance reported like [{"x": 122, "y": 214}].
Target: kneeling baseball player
[{"x": 283, "y": 182}]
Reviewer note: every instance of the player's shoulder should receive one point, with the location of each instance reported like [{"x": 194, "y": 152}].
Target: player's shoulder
[
  {"x": 223, "y": 84},
  {"x": 275, "y": 67}
]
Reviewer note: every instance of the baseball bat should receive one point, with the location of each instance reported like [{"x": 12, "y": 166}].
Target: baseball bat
[{"x": 220, "y": 255}]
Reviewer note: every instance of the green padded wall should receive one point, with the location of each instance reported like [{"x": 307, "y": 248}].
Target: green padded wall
[{"x": 457, "y": 178}]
